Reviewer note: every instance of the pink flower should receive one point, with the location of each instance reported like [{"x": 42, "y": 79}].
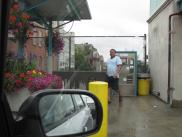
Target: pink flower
[
  {"x": 22, "y": 75},
  {"x": 18, "y": 81},
  {"x": 45, "y": 81},
  {"x": 30, "y": 79},
  {"x": 20, "y": 24}
]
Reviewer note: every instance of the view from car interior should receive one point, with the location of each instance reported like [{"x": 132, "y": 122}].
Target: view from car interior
[{"x": 91, "y": 68}]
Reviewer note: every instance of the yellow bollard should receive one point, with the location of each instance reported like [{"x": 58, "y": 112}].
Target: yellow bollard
[{"x": 100, "y": 89}]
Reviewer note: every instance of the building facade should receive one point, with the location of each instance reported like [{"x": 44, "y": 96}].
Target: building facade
[
  {"x": 35, "y": 49},
  {"x": 165, "y": 62},
  {"x": 67, "y": 55}
]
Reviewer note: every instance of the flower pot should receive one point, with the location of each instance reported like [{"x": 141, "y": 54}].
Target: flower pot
[{"x": 16, "y": 99}]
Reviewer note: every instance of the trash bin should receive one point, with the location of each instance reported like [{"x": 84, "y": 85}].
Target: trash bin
[{"x": 143, "y": 84}]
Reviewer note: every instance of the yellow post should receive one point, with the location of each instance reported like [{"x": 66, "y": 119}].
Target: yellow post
[{"x": 100, "y": 89}]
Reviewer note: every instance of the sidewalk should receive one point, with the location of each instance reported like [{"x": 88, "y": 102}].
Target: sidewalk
[{"x": 143, "y": 117}]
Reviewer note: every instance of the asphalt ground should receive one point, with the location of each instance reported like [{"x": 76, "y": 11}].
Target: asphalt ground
[{"x": 143, "y": 116}]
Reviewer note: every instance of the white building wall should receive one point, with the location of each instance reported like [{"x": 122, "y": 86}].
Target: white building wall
[
  {"x": 64, "y": 55},
  {"x": 176, "y": 58},
  {"x": 158, "y": 52},
  {"x": 72, "y": 50}
]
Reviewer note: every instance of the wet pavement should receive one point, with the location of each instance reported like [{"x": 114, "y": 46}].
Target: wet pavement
[{"x": 143, "y": 117}]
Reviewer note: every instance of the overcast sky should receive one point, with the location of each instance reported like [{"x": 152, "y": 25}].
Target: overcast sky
[{"x": 114, "y": 17}]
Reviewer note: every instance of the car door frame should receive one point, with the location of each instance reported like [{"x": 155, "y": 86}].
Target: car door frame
[
  {"x": 78, "y": 109},
  {"x": 6, "y": 119},
  {"x": 76, "y": 105}
]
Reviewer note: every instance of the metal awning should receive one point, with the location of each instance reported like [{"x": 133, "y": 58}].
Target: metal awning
[
  {"x": 47, "y": 11},
  {"x": 57, "y": 10},
  {"x": 180, "y": 5}
]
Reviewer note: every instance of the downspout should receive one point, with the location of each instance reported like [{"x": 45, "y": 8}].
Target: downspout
[
  {"x": 145, "y": 53},
  {"x": 169, "y": 54}
]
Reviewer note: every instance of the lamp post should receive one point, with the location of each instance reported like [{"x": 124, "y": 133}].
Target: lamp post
[
  {"x": 69, "y": 53},
  {"x": 49, "y": 69}
]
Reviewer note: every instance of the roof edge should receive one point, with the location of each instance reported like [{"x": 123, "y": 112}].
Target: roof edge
[
  {"x": 88, "y": 9},
  {"x": 162, "y": 7}
]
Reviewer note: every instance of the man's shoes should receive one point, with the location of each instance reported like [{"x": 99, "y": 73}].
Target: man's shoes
[{"x": 120, "y": 98}]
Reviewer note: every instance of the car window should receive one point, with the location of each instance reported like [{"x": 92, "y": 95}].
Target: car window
[
  {"x": 79, "y": 101},
  {"x": 55, "y": 110},
  {"x": 45, "y": 51},
  {"x": 64, "y": 44}
]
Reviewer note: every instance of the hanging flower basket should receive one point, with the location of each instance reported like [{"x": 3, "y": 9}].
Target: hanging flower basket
[
  {"x": 57, "y": 43},
  {"x": 19, "y": 24}
]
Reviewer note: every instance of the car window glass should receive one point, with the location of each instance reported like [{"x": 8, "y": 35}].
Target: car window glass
[
  {"x": 55, "y": 109},
  {"x": 79, "y": 101},
  {"x": 68, "y": 104}
]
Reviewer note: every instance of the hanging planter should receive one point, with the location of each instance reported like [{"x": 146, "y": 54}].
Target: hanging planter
[
  {"x": 57, "y": 43},
  {"x": 18, "y": 21},
  {"x": 16, "y": 99}
]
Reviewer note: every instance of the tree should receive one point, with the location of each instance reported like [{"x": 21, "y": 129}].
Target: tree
[{"x": 83, "y": 57}]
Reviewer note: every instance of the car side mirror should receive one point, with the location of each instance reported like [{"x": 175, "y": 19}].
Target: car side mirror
[{"x": 54, "y": 112}]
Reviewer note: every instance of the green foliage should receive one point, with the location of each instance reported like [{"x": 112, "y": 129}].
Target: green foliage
[
  {"x": 14, "y": 74},
  {"x": 16, "y": 66},
  {"x": 83, "y": 58}
]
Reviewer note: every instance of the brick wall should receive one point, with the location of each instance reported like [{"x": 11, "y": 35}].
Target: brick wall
[{"x": 34, "y": 51}]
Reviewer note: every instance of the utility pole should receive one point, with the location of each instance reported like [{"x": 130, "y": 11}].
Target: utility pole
[
  {"x": 69, "y": 53},
  {"x": 50, "y": 29}
]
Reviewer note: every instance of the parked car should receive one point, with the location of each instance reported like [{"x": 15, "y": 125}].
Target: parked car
[
  {"x": 58, "y": 113},
  {"x": 55, "y": 112},
  {"x": 90, "y": 103},
  {"x": 65, "y": 114}
]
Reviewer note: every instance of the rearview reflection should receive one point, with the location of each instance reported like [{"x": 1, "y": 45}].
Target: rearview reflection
[{"x": 67, "y": 114}]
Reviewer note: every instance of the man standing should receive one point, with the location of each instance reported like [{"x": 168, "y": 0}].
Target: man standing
[{"x": 113, "y": 71}]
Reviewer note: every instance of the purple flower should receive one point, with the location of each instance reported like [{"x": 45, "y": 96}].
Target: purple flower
[{"x": 48, "y": 81}]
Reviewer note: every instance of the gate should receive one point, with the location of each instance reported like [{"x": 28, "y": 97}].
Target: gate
[{"x": 128, "y": 76}]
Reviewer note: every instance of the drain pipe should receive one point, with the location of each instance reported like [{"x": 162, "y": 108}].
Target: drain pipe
[{"x": 169, "y": 54}]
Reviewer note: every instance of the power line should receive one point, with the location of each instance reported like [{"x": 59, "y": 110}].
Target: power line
[
  {"x": 119, "y": 36},
  {"x": 68, "y": 30}
]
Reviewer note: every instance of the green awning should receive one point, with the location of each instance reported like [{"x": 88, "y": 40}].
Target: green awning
[
  {"x": 180, "y": 5},
  {"x": 57, "y": 10}
]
